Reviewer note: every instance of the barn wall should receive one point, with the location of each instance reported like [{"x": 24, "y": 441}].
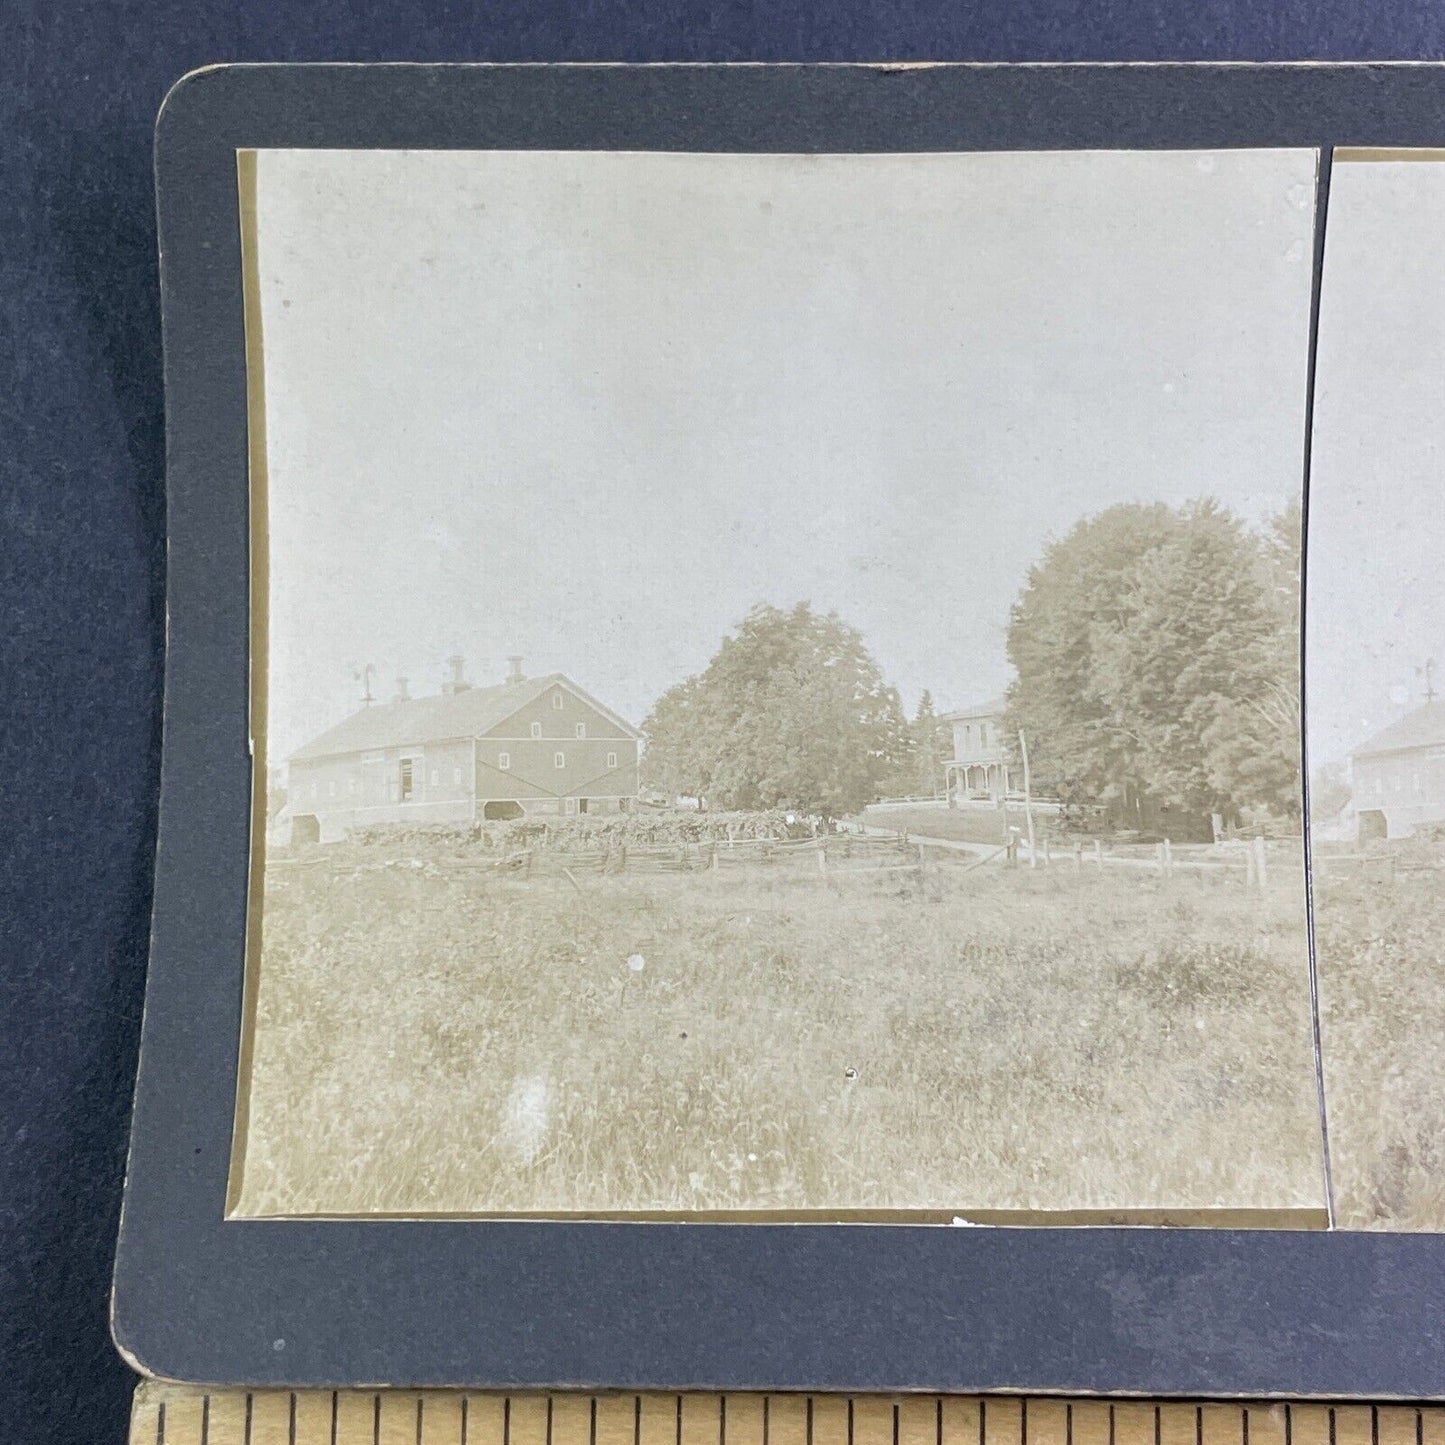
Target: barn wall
[
  {"x": 361, "y": 789},
  {"x": 535, "y": 776},
  {"x": 1407, "y": 787}
]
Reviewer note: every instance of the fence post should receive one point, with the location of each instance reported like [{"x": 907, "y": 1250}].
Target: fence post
[
  {"x": 1048, "y": 852},
  {"x": 1249, "y": 873},
  {"x": 822, "y": 859},
  {"x": 1159, "y": 858},
  {"x": 1011, "y": 848},
  {"x": 622, "y": 858},
  {"x": 1168, "y": 858},
  {"x": 1099, "y": 852},
  {"x": 1078, "y": 856},
  {"x": 1260, "y": 866}
]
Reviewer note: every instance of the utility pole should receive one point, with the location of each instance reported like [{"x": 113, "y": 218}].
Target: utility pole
[{"x": 1028, "y": 799}]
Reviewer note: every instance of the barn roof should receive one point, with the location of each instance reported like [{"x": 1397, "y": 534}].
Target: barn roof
[
  {"x": 992, "y": 708},
  {"x": 1423, "y": 728},
  {"x": 465, "y": 714}
]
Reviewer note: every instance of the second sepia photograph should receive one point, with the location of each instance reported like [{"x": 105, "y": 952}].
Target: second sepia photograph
[{"x": 776, "y": 687}]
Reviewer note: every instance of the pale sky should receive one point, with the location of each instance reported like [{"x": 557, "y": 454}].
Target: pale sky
[
  {"x": 1376, "y": 599},
  {"x": 590, "y": 407}
]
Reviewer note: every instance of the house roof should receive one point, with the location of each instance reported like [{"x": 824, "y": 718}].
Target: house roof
[
  {"x": 992, "y": 708},
  {"x": 1423, "y": 728},
  {"x": 465, "y": 714}
]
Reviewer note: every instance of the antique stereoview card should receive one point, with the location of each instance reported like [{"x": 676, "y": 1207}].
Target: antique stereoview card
[
  {"x": 778, "y": 683},
  {"x": 1376, "y": 687}
]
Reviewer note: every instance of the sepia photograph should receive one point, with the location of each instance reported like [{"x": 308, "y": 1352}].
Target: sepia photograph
[
  {"x": 777, "y": 684},
  {"x": 1375, "y": 699}
]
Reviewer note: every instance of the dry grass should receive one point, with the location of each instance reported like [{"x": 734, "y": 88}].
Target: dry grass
[
  {"x": 1381, "y": 950},
  {"x": 429, "y": 1040},
  {"x": 967, "y": 825}
]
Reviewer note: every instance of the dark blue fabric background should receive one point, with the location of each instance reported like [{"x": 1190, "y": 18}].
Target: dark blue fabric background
[{"x": 82, "y": 514}]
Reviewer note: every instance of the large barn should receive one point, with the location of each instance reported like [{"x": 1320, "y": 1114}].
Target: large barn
[
  {"x": 1397, "y": 777},
  {"x": 468, "y": 754}
]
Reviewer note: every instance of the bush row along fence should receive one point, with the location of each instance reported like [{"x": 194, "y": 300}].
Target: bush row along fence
[{"x": 590, "y": 832}]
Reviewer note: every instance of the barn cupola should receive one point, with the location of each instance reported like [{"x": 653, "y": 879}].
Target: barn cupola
[
  {"x": 514, "y": 668},
  {"x": 457, "y": 682},
  {"x": 402, "y": 695}
]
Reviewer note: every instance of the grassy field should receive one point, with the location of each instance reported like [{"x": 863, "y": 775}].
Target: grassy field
[
  {"x": 964, "y": 825},
  {"x": 1381, "y": 953},
  {"x": 430, "y": 1038}
]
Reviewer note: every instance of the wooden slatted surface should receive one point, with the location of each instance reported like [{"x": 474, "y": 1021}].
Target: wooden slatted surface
[{"x": 166, "y": 1414}]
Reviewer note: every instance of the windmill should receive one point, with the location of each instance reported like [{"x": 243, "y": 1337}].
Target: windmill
[{"x": 363, "y": 674}]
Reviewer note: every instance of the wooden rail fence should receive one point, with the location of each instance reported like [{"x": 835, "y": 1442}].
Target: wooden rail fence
[{"x": 854, "y": 851}]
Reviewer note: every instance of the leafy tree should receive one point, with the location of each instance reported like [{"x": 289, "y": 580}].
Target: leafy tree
[
  {"x": 1157, "y": 657},
  {"x": 1254, "y": 745},
  {"x": 792, "y": 712},
  {"x": 1073, "y": 598}
]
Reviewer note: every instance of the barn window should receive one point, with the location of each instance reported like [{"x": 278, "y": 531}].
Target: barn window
[
  {"x": 557, "y": 702},
  {"x": 611, "y": 760},
  {"x": 404, "y": 778},
  {"x": 581, "y": 730},
  {"x": 559, "y": 760},
  {"x": 456, "y": 777},
  {"x": 434, "y": 777},
  {"x": 536, "y": 730},
  {"x": 504, "y": 762},
  {"x": 570, "y": 805}
]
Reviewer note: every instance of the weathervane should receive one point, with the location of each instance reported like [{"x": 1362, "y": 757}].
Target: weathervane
[
  {"x": 1428, "y": 673},
  {"x": 363, "y": 675}
]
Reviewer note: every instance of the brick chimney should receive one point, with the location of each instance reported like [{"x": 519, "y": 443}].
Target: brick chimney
[
  {"x": 457, "y": 682},
  {"x": 402, "y": 695},
  {"x": 514, "y": 668}
]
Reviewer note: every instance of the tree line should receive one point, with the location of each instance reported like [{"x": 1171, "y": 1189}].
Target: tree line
[{"x": 1156, "y": 657}]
